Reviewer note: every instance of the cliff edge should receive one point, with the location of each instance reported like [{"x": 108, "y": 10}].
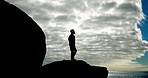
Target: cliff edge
[{"x": 78, "y": 68}]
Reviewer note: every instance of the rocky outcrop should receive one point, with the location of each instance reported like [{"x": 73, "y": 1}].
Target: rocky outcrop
[{"x": 73, "y": 69}]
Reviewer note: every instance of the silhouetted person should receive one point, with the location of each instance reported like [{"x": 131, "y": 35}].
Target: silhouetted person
[{"x": 72, "y": 46}]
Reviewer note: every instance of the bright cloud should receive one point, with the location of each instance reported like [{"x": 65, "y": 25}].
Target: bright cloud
[{"x": 106, "y": 30}]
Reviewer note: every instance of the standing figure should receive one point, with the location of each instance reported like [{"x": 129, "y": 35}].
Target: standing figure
[{"x": 72, "y": 46}]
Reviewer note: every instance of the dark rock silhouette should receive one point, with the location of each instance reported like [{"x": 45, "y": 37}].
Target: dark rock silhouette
[
  {"x": 23, "y": 44},
  {"x": 73, "y": 69}
]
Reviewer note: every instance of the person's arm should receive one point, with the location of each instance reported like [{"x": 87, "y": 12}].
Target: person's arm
[{"x": 75, "y": 44}]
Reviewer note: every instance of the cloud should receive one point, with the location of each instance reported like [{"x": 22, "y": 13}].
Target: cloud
[
  {"x": 106, "y": 30},
  {"x": 128, "y": 7},
  {"x": 109, "y": 5}
]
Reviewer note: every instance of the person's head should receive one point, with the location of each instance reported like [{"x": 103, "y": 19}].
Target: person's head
[{"x": 72, "y": 31}]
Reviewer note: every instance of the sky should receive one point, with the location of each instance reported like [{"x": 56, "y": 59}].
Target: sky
[
  {"x": 144, "y": 25},
  {"x": 144, "y": 30},
  {"x": 110, "y": 33}
]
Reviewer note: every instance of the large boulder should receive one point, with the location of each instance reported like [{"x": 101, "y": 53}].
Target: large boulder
[{"x": 23, "y": 45}]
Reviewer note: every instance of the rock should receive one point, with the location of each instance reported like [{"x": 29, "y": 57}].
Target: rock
[
  {"x": 23, "y": 44},
  {"x": 73, "y": 69}
]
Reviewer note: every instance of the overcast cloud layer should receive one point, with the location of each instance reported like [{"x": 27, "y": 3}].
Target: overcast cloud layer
[{"x": 106, "y": 30}]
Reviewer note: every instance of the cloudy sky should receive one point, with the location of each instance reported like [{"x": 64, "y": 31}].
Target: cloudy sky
[{"x": 107, "y": 32}]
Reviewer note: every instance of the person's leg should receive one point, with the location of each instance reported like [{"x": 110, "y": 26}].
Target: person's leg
[
  {"x": 74, "y": 53},
  {"x": 71, "y": 55}
]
